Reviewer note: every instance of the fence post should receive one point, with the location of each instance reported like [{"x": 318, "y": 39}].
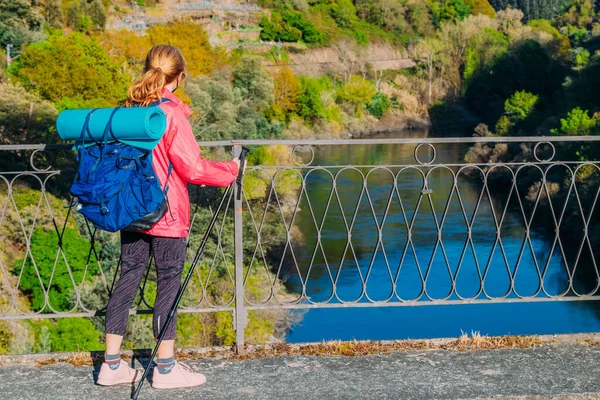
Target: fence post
[{"x": 240, "y": 314}]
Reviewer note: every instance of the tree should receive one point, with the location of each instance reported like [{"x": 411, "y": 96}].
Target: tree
[
  {"x": 379, "y": 105},
  {"x": 76, "y": 72},
  {"x": 24, "y": 117},
  {"x": 448, "y": 11},
  {"x": 310, "y": 104},
  {"x": 533, "y": 9},
  {"x": 19, "y": 24},
  {"x": 95, "y": 10},
  {"x": 255, "y": 84},
  {"x": 527, "y": 67},
  {"x": 54, "y": 14},
  {"x": 223, "y": 111},
  {"x": 580, "y": 14},
  {"x": 578, "y": 123},
  {"x": 357, "y": 91},
  {"x": 287, "y": 88},
  {"x": 200, "y": 56},
  {"x": 520, "y": 105},
  {"x": 291, "y": 26},
  {"x": 344, "y": 13},
  {"x": 429, "y": 53},
  {"x": 420, "y": 19},
  {"x": 481, "y": 7},
  {"x": 483, "y": 49}
]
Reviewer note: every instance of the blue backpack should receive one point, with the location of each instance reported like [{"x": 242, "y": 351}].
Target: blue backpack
[{"x": 116, "y": 186}]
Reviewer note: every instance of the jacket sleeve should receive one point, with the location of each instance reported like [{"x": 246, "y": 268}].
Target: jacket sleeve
[{"x": 184, "y": 154}]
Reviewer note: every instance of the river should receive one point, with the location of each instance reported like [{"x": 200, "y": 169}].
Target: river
[{"x": 432, "y": 321}]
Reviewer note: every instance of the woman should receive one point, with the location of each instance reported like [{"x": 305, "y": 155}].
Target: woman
[{"x": 163, "y": 73}]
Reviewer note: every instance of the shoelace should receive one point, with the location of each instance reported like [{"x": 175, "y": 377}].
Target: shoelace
[{"x": 185, "y": 367}]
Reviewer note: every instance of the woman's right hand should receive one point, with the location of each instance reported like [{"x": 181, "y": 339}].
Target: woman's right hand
[{"x": 237, "y": 161}]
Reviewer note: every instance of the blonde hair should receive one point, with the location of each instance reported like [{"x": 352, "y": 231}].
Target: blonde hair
[{"x": 163, "y": 65}]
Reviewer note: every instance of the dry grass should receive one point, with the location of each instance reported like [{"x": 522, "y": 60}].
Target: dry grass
[{"x": 331, "y": 349}]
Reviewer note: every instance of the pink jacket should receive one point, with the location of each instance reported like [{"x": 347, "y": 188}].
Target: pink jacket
[{"x": 179, "y": 147}]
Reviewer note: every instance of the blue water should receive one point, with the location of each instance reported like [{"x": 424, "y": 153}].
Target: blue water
[{"x": 433, "y": 320}]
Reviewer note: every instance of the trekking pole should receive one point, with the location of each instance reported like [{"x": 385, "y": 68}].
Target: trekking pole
[{"x": 173, "y": 309}]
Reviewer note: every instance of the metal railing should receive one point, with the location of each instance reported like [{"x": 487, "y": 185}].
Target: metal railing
[{"x": 308, "y": 220}]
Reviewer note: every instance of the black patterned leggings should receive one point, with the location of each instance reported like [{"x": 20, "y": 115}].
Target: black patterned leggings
[{"x": 169, "y": 257}]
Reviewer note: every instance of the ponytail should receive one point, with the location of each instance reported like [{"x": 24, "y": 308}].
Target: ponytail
[
  {"x": 148, "y": 89},
  {"x": 164, "y": 64}
]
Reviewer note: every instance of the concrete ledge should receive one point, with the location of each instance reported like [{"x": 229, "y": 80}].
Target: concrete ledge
[
  {"x": 556, "y": 368},
  {"x": 463, "y": 343}
]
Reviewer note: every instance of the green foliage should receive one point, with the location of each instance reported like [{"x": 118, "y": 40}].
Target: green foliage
[
  {"x": 357, "y": 91},
  {"x": 578, "y": 123},
  {"x": 25, "y": 117},
  {"x": 344, "y": 13},
  {"x": 276, "y": 29},
  {"x": 581, "y": 57},
  {"x": 576, "y": 35},
  {"x": 19, "y": 24},
  {"x": 483, "y": 50},
  {"x": 379, "y": 105},
  {"x": 87, "y": 15},
  {"x": 503, "y": 126},
  {"x": 533, "y": 9},
  {"x": 420, "y": 19},
  {"x": 74, "y": 334},
  {"x": 291, "y": 26},
  {"x": 448, "y": 10},
  {"x": 227, "y": 112},
  {"x": 310, "y": 104},
  {"x": 462, "y": 9},
  {"x": 388, "y": 15},
  {"x": 95, "y": 10},
  {"x": 5, "y": 337},
  {"x": 59, "y": 280},
  {"x": 53, "y": 13},
  {"x": 253, "y": 82},
  {"x": 543, "y": 25},
  {"x": 361, "y": 37},
  {"x": 520, "y": 105},
  {"x": 77, "y": 72},
  {"x": 580, "y": 13},
  {"x": 527, "y": 67}
]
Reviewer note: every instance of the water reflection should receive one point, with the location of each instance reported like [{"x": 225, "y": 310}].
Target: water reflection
[{"x": 379, "y": 216}]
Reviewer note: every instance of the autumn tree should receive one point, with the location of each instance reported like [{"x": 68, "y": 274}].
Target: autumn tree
[
  {"x": 481, "y": 7},
  {"x": 287, "y": 89},
  {"x": 200, "y": 56}
]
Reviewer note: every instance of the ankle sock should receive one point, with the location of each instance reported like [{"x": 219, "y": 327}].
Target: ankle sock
[
  {"x": 113, "y": 360},
  {"x": 165, "y": 365}
]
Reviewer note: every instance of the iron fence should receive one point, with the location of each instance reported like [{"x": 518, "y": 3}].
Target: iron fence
[{"x": 411, "y": 230}]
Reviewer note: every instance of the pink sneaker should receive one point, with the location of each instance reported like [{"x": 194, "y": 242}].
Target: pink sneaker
[
  {"x": 180, "y": 376},
  {"x": 123, "y": 374}
]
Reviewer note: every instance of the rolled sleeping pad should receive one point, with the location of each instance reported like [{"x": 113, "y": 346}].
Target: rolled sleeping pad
[{"x": 141, "y": 127}]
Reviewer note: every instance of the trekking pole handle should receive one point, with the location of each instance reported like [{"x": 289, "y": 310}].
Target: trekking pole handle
[{"x": 238, "y": 180}]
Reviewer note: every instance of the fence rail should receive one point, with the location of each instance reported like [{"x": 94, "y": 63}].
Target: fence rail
[{"x": 312, "y": 233}]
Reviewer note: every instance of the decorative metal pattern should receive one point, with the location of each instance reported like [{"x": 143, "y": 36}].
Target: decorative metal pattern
[{"x": 328, "y": 224}]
